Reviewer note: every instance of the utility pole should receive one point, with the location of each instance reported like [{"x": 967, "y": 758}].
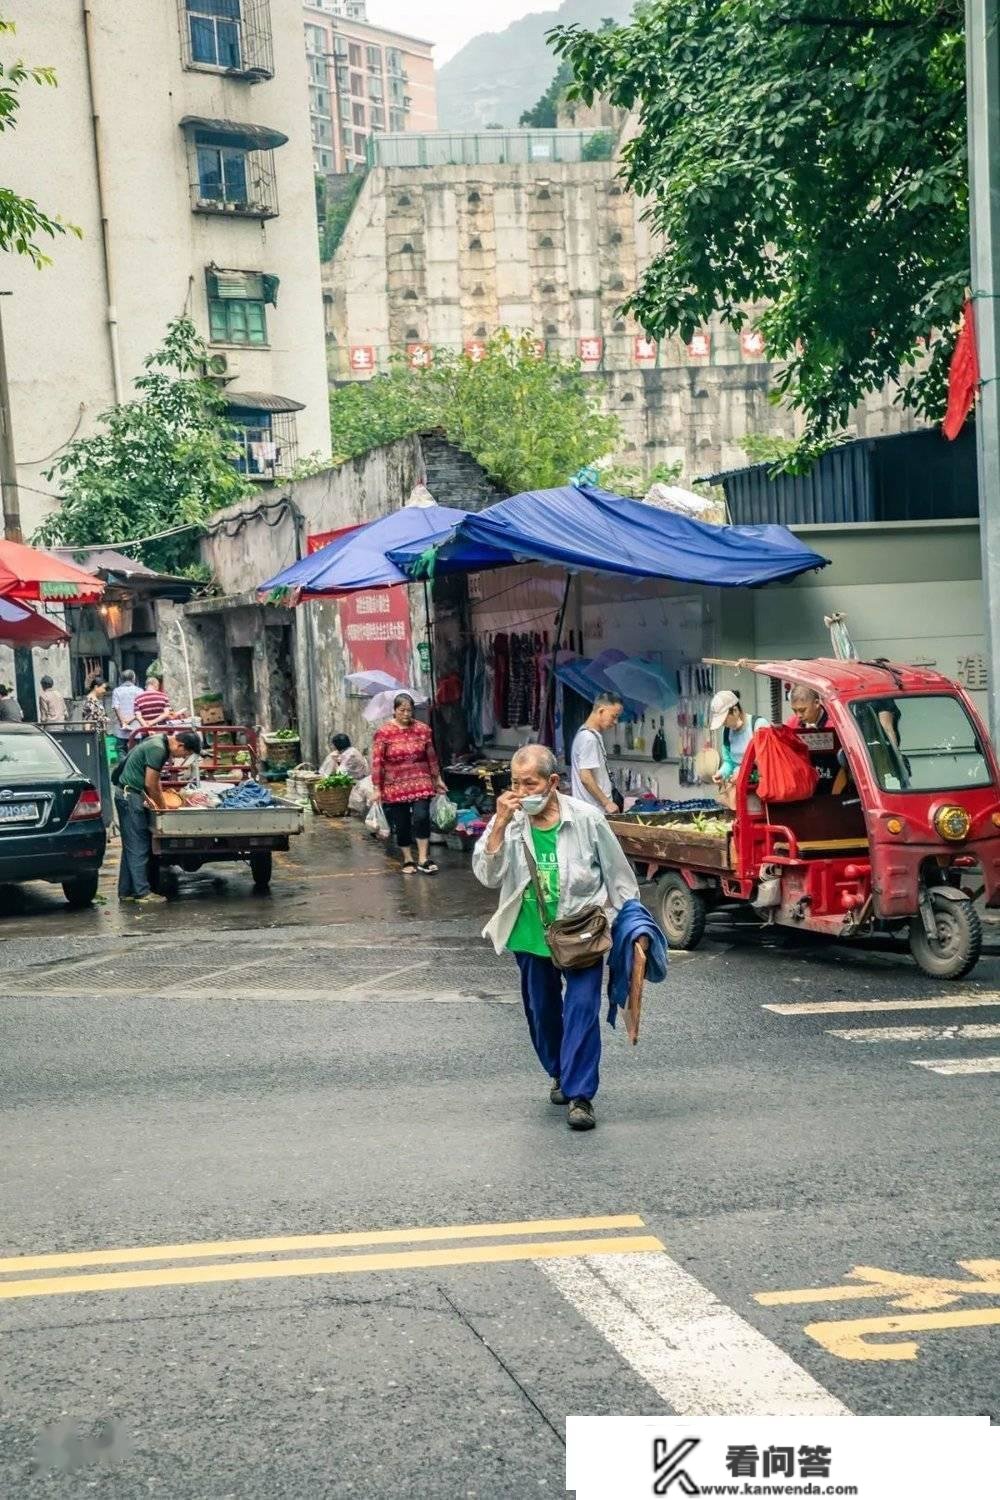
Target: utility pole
[
  {"x": 8, "y": 467},
  {"x": 982, "y": 53}
]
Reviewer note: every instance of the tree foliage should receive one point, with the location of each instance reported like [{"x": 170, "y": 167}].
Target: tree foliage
[
  {"x": 531, "y": 421},
  {"x": 21, "y": 219},
  {"x": 161, "y": 461},
  {"x": 543, "y": 113},
  {"x": 334, "y": 213},
  {"x": 805, "y": 157}
]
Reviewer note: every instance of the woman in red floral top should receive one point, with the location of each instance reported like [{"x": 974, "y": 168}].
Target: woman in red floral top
[{"x": 406, "y": 774}]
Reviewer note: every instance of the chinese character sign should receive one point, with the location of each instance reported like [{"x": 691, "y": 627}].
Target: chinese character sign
[
  {"x": 362, "y": 357},
  {"x": 700, "y": 346},
  {"x": 376, "y": 628},
  {"x": 644, "y": 350},
  {"x": 590, "y": 351},
  {"x": 752, "y": 343},
  {"x": 419, "y": 356}
]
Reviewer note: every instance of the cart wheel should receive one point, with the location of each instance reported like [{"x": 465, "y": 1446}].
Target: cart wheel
[
  {"x": 682, "y": 911},
  {"x": 955, "y": 952},
  {"x": 80, "y": 892},
  {"x": 261, "y": 861}
]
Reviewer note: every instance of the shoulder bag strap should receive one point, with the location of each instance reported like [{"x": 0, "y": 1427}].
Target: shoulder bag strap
[{"x": 536, "y": 882}]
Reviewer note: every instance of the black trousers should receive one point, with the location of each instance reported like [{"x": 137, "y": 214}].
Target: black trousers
[{"x": 409, "y": 820}]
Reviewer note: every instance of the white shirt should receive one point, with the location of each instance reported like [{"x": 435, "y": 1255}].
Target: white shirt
[
  {"x": 588, "y": 754},
  {"x": 123, "y": 702}
]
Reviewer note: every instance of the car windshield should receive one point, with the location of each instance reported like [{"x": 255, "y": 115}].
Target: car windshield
[
  {"x": 922, "y": 744},
  {"x": 30, "y": 755}
]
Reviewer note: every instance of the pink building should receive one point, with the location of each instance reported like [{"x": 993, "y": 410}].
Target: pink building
[{"x": 363, "y": 80}]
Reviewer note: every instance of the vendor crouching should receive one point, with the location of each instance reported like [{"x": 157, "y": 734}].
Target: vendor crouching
[{"x": 579, "y": 866}]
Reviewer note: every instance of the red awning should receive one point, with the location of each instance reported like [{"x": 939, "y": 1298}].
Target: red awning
[
  {"x": 29, "y": 574},
  {"x": 20, "y": 626}
]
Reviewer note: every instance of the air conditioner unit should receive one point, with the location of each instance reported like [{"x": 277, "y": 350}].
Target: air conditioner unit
[{"x": 220, "y": 366}]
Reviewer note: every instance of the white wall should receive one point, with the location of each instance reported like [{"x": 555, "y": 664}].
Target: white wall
[{"x": 57, "y": 343}]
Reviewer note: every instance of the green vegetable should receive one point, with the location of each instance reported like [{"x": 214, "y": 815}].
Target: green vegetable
[
  {"x": 328, "y": 783},
  {"x": 284, "y": 734}
]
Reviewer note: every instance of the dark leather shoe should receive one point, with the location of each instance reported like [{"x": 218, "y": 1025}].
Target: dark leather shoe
[
  {"x": 581, "y": 1115},
  {"x": 556, "y": 1095}
]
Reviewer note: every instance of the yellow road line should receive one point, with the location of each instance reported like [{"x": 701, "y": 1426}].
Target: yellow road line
[
  {"x": 285, "y": 1244},
  {"x": 336, "y": 1265},
  {"x": 849, "y": 1340}
]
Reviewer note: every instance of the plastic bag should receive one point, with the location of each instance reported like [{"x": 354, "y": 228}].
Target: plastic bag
[
  {"x": 377, "y": 822},
  {"x": 785, "y": 771},
  {"x": 444, "y": 813}
]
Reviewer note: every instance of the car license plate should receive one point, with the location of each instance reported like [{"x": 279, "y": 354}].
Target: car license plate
[{"x": 18, "y": 812}]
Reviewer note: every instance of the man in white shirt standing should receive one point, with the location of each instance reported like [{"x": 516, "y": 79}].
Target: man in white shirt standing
[
  {"x": 123, "y": 706},
  {"x": 591, "y": 779}
]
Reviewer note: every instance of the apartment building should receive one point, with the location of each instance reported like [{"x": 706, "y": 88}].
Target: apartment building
[
  {"x": 178, "y": 141},
  {"x": 363, "y": 80}
]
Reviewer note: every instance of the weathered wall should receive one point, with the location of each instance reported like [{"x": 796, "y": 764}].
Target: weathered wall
[
  {"x": 446, "y": 255},
  {"x": 251, "y": 652}
]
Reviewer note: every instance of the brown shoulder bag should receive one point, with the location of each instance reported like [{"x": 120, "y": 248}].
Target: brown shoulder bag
[{"x": 576, "y": 942}]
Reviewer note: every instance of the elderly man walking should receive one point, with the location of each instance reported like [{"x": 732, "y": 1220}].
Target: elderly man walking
[{"x": 579, "y": 865}]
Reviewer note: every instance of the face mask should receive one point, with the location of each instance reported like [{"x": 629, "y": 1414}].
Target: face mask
[{"x": 533, "y": 805}]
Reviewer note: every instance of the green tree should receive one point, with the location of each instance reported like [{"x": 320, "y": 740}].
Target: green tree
[
  {"x": 334, "y": 213},
  {"x": 806, "y": 157},
  {"x": 162, "y": 461},
  {"x": 21, "y": 219},
  {"x": 530, "y": 421}
]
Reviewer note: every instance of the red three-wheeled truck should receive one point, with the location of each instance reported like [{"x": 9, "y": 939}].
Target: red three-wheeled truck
[{"x": 901, "y": 835}]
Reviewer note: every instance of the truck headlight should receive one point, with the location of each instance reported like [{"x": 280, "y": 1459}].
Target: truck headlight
[{"x": 953, "y": 823}]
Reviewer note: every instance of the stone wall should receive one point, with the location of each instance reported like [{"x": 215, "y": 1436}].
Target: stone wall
[{"x": 446, "y": 255}]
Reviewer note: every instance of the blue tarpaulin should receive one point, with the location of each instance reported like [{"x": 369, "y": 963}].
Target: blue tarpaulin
[
  {"x": 358, "y": 560},
  {"x": 585, "y": 529}
]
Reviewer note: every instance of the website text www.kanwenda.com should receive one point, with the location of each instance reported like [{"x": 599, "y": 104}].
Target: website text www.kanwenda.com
[{"x": 749, "y": 1488}]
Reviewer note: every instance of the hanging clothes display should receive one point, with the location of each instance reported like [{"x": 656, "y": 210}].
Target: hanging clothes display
[{"x": 501, "y": 679}]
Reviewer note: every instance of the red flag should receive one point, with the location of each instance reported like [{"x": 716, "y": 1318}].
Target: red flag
[{"x": 963, "y": 376}]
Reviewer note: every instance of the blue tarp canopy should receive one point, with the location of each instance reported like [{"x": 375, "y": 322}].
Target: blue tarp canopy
[
  {"x": 358, "y": 560},
  {"x": 585, "y": 529}
]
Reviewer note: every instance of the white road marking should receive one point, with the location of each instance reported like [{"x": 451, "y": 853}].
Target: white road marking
[
  {"x": 699, "y": 1356},
  {"x": 848, "y": 1007},
  {"x": 969, "y": 1032},
  {"x": 952, "y": 1066},
  {"x": 328, "y": 996}
]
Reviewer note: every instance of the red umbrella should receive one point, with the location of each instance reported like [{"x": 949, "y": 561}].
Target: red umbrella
[
  {"x": 20, "y": 626},
  {"x": 27, "y": 573}
]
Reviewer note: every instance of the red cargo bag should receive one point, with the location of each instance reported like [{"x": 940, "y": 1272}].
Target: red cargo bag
[{"x": 785, "y": 772}]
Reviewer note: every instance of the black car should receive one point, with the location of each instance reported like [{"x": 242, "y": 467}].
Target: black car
[{"x": 50, "y": 816}]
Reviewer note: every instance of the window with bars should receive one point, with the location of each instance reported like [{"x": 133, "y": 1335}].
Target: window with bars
[
  {"x": 376, "y": 117},
  {"x": 266, "y": 442},
  {"x": 230, "y": 36},
  {"x": 394, "y": 61},
  {"x": 234, "y": 179}
]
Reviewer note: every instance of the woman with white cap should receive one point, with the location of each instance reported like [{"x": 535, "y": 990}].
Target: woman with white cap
[{"x": 729, "y": 715}]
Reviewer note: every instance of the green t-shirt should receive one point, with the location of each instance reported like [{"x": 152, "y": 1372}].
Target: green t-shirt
[
  {"x": 151, "y": 754},
  {"x": 528, "y": 935}
]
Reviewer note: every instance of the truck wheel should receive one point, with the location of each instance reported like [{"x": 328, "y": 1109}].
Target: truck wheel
[
  {"x": 80, "y": 892},
  {"x": 682, "y": 911},
  {"x": 260, "y": 868},
  {"x": 955, "y": 951}
]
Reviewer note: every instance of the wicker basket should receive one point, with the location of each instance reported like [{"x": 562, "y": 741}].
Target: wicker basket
[
  {"x": 280, "y": 753},
  {"x": 331, "y": 801}
]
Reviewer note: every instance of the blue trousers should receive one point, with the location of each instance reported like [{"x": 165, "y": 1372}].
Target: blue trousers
[
  {"x": 565, "y": 1026},
  {"x": 137, "y": 845}
]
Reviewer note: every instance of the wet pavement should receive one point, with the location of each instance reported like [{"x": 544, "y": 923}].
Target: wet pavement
[{"x": 333, "y": 872}]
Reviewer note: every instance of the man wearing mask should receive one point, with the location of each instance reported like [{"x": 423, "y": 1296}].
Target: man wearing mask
[{"x": 580, "y": 864}]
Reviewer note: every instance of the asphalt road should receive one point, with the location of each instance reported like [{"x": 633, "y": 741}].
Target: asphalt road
[{"x": 346, "y": 1058}]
